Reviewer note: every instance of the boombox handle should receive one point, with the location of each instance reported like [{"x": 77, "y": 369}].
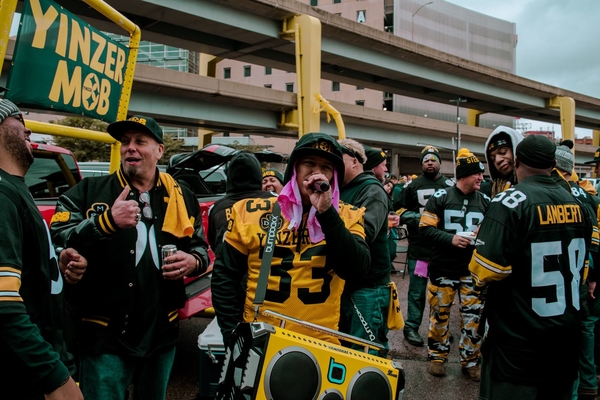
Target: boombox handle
[{"x": 343, "y": 336}]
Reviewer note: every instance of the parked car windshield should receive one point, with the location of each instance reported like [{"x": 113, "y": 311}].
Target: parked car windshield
[{"x": 45, "y": 178}]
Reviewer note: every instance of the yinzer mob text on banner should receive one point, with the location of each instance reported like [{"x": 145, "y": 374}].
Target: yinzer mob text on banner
[{"x": 61, "y": 63}]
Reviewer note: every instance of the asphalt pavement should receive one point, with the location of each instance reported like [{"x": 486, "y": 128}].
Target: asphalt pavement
[{"x": 420, "y": 385}]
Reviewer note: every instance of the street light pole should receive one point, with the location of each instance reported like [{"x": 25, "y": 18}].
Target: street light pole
[
  {"x": 412, "y": 21},
  {"x": 457, "y": 147}
]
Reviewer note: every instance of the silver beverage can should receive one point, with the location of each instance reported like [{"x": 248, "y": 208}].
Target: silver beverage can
[{"x": 168, "y": 250}]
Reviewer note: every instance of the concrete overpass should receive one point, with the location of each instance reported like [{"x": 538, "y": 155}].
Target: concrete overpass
[{"x": 248, "y": 30}]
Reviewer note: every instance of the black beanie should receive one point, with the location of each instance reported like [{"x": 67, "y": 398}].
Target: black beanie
[
  {"x": 374, "y": 157},
  {"x": 273, "y": 172},
  {"x": 430, "y": 152},
  {"x": 537, "y": 151},
  {"x": 502, "y": 139},
  {"x": 467, "y": 164}
]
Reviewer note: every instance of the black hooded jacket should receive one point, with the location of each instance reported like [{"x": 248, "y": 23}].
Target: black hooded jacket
[{"x": 244, "y": 180}]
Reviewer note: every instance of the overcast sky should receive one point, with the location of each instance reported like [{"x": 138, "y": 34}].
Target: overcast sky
[{"x": 559, "y": 41}]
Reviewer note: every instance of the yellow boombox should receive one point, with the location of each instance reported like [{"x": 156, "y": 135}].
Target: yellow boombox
[{"x": 263, "y": 362}]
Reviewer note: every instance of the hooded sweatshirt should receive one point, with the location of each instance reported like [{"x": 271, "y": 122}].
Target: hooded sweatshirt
[
  {"x": 244, "y": 180},
  {"x": 497, "y": 178}
]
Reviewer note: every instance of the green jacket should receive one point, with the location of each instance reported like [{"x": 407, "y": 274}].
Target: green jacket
[
  {"x": 32, "y": 349},
  {"x": 366, "y": 191}
]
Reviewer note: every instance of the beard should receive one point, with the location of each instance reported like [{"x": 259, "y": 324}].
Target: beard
[
  {"x": 130, "y": 171},
  {"x": 17, "y": 147},
  {"x": 431, "y": 173}
]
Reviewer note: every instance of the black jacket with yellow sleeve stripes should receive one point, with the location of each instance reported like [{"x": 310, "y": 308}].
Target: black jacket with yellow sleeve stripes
[
  {"x": 448, "y": 212},
  {"x": 306, "y": 279},
  {"x": 83, "y": 221}
]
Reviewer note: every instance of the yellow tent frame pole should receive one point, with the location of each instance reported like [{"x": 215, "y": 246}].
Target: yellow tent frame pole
[
  {"x": 332, "y": 112},
  {"x": 135, "y": 36},
  {"x": 7, "y": 12},
  {"x": 68, "y": 131}
]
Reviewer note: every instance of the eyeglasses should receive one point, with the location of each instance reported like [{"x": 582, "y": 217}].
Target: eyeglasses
[{"x": 147, "y": 210}]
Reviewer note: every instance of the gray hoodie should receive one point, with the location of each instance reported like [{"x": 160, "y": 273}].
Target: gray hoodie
[{"x": 515, "y": 138}]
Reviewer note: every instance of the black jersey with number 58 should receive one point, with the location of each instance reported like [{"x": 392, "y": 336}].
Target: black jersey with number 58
[{"x": 535, "y": 243}]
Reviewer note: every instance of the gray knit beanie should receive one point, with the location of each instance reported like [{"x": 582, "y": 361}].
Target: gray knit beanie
[
  {"x": 564, "y": 159},
  {"x": 8, "y": 109}
]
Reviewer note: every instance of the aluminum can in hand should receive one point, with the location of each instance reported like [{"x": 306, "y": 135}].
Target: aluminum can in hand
[{"x": 168, "y": 250}]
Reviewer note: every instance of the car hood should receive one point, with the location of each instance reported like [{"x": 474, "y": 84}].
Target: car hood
[{"x": 212, "y": 155}]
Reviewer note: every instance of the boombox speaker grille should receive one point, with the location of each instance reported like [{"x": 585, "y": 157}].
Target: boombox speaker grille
[
  {"x": 293, "y": 374},
  {"x": 369, "y": 383}
]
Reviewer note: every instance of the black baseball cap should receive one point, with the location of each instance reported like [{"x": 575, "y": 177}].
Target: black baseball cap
[
  {"x": 137, "y": 123},
  {"x": 319, "y": 144},
  {"x": 596, "y": 157}
]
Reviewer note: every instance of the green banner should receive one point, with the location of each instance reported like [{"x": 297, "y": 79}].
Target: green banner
[{"x": 61, "y": 63}]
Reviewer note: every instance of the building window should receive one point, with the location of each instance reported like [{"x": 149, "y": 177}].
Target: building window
[
  {"x": 361, "y": 16},
  {"x": 226, "y": 73},
  {"x": 314, "y": 2},
  {"x": 360, "y": 88},
  {"x": 335, "y": 86},
  {"x": 247, "y": 71},
  {"x": 289, "y": 87},
  {"x": 268, "y": 71},
  {"x": 337, "y": 1},
  {"x": 268, "y": 85},
  {"x": 360, "y": 102}
]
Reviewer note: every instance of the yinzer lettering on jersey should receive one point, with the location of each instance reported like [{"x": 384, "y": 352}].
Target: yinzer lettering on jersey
[
  {"x": 559, "y": 214},
  {"x": 286, "y": 238}
]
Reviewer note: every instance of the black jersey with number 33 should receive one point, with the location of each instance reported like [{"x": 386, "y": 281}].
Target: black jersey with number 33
[{"x": 535, "y": 241}]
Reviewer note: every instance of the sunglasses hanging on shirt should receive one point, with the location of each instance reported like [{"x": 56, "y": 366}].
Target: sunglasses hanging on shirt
[{"x": 147, "y": 210}]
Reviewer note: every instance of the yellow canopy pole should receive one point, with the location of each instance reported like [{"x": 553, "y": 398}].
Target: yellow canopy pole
[
  {"x": 68, "y": 131},
  {"x": 332, "y": 112},
  {"x": 135, "y": 36},
  {"x": 7, "y": 12}
]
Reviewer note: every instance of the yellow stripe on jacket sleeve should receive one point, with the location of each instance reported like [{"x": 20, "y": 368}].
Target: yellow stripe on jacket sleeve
[
  {"x": 595, "y": 237},
  {"x": 105, "y": 225},
  {"x": 10, "y": 283},
  {"x": 484, "y": 271},
  {"x": 428, "y": 219},
  {"x": 173, "y": 315}
]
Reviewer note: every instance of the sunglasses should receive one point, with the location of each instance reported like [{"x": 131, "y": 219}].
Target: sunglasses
[
  {"x": 147, "y": 211},
  {"x": 465, "y": 204},
  {"x": 352, "y": 153}
]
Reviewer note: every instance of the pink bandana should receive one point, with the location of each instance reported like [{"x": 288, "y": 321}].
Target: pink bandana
[{"x": 290, "y": 202}]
